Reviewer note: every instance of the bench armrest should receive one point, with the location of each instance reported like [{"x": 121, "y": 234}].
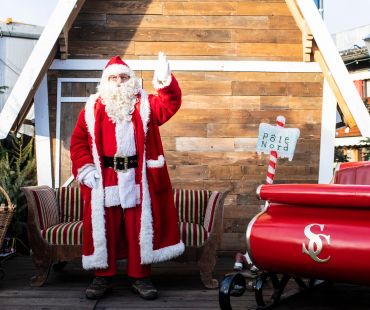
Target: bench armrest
[{"x": 42, "y": 206}]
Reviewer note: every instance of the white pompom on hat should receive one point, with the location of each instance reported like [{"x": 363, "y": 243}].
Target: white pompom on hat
[{"x": 116, "y": 66}]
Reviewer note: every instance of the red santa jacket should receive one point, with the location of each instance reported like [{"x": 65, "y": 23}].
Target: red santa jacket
[{"x": 95, "y": 137}]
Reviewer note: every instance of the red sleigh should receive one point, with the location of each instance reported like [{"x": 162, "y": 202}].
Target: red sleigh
[{"x": 308, "y": 231}]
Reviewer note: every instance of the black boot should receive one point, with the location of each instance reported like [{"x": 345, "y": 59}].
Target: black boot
[
  {"x": 145, "y": 288},
  {"x": 98, "y": 287}
]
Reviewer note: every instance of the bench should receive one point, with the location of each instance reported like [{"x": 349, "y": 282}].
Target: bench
[{"x": 55, "y": 227}]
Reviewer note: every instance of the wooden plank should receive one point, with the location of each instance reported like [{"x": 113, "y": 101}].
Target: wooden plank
[
  {"x": 267, "y": 36},
  {"x": 186, "y": 48},
  {"x": 100, "y": 49},
  {"x": 289, "y": 102},
  {"x": 282, "y": 22},
  {"x": 184, "y": 173},
  {"x": 66, "y": 89},
  {"x": 78, "y": 90},
  {"x": 151, "y": 34},
  {"x": 277, "y": 89},
  {"x": 183, "y": 129},
  {"x": 181, "y": 76},
  {"x": 124, "y": 7},
  {"x": 201, "y": 8},
  {"x": 205, "y": 144},
  {"x": 202, "y": 22},
  {"x": 265, "y": 76},
  {"x": 215, "y": 130},
  {"x": 83, "y": 20},
  {"x": 286, "y": 51},
  {"x": 220, "y": 102},
  {"x": 211, "y": 157},
  {"x": 199, "y": 88},
  {"x": 244, "y": 116},
  {"x": 253, "y": 8},
  {"x": 223, "y": 172}
]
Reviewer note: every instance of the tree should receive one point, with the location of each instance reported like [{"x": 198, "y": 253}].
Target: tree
[{"x": 17, "y": 169}]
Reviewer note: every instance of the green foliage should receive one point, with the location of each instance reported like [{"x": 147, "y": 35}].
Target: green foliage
[
  {"x": 17, "y": 169},
  {"x": 3, "y": 89}
]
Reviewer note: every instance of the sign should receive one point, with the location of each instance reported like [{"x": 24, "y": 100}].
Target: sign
[{"x": 279, "y": 139}]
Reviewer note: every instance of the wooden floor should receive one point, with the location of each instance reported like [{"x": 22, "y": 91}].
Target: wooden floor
[{"x": 178, "y": 283}]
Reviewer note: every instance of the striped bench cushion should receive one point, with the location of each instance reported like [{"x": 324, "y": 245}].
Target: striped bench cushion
[
  {"x": 191, "y": 204},
  {"x": 70, "y": 204},
  {"x": 64, "y": 234},
  {"x": 47, "y": 213},
  {"x": 210, "y": 211},
  {"x": 192, "y": 234}
]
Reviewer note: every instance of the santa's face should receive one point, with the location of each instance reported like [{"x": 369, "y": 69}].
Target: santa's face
[
  {"x": 119, "y": 79},
  {"x": 119, "y": 94}
]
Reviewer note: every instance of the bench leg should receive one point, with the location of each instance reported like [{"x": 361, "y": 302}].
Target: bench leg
[
  {"x": 206, "y": 265},
  {"x": 43, "y": 268}
]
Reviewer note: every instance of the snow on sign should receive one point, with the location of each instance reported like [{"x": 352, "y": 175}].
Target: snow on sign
[{"x": 276, "y": 138}]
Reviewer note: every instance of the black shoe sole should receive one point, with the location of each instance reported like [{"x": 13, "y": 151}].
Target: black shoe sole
[
  {"x": 150, "y": 296},
  {"x": 93, "y": 296}
]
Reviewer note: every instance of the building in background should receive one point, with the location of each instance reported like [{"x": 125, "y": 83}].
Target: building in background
[
  {"x": 16, "y": 44},
  {"x": 353, "y": 48}
]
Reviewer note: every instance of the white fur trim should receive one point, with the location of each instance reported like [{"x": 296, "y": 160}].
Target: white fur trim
[
  {"x": 126, "y": 146},
  {"x": 99, "y": 259},
  {"x": 144, "y": 110},
  {"x": 148, "y": 255},
  {"x": 137, "y": 194},
  {"x": 115, "y": 70},
  {"x": 161, "y": 84},
  {"x": 111, "y": 196},
  {"x": 83, "y": 171},
  {"x": 146, "y": 229},
  {"x": 168, "y": 252},
  {"x": 156, "y": 163}
]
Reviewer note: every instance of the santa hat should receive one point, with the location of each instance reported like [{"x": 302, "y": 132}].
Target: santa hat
[{"x": 116, "y": 66}]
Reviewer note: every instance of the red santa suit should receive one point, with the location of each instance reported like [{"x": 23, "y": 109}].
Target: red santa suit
[{"x": 143, "y": 193}]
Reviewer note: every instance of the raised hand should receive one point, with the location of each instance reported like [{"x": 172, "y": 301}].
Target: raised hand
[{"x": 162, "y": 71}]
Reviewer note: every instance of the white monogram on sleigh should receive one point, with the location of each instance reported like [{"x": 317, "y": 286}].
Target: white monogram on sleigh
[{"x": 315, "y": 244}]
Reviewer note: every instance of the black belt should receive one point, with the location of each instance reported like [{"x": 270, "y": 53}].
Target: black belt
[{"x": 120, "y": 163}]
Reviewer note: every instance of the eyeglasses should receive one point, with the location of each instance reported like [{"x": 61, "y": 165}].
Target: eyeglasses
[{"x": 115, "y": 78}]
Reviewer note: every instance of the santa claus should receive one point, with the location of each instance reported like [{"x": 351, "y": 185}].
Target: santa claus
[{"x": 117, "y": 157}]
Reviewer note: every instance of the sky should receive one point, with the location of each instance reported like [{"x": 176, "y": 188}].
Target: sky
[
  {"x": 339, "y": 15},
  {"x": 36, "y": 12}
]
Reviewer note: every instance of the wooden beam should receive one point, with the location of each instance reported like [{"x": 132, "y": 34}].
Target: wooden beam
[
  {"x": 42, "y": 135},
  {"x": 348, "y": 118},
  {"x": 307, "y": 36},
  {"x": 63, "y": 38}
]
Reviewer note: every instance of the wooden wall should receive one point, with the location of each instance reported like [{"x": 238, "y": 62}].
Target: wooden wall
[
  {"x": 210, "y": 143},
  {"x": 211, "y": 29}
]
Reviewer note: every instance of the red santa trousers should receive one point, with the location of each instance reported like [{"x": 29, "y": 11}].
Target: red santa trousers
[{"x": 122, "y": 231}]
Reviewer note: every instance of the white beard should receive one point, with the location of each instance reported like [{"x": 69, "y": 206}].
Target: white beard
[{"x": 119, "y": 100}]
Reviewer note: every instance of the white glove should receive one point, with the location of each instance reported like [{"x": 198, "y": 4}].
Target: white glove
[
  {"x": 91, "y": 178},
  {"x": 162, "y": 72}
]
